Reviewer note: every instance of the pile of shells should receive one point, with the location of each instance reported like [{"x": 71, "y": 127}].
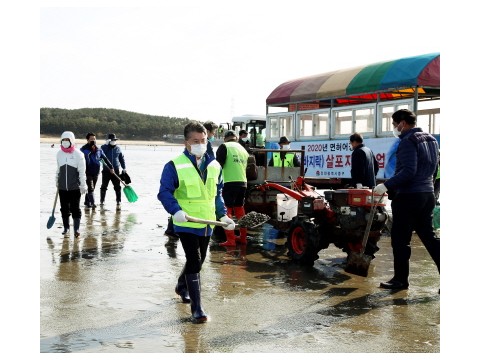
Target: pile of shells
[{"x": 253, "y": 219}]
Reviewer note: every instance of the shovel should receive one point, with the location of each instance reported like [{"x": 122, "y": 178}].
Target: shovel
[
  {"x": 127, "y": 189},
  {"x": 220, "y": 223},
  {"x": 358, "y": 263},
  {"x": 51, "y": 219},
  {"x": 205, "y": 221}
]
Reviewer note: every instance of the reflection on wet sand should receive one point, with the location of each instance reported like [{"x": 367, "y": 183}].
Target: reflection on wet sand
[{"x": 112, "y": 289}]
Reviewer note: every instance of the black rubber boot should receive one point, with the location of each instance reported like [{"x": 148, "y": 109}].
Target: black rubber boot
[
  {"x": 91, "y": 199},
  {"x": 76, "y": 226},
  {"x": 66, "y": 226},
  {"x": 193, "y": 285},
  {"x": 102, "y": 196},
  {"x": 181, "y": 289},
  {"x": 118, "y": 196}
]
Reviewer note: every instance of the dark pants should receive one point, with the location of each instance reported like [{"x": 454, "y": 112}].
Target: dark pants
[
  {"x": 106, "y": 178},
  {"x": 195, "y": 248},
  {"x": 91, "y": 183},
  {"x": 70, "y": 203},
  {"x": 233, "y": 195},
  {"x": 436, "y": 188},
  {"x": 412, "y": 212}
]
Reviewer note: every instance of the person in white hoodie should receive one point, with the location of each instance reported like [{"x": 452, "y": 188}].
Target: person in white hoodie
[{"x": 70, "y": 181}]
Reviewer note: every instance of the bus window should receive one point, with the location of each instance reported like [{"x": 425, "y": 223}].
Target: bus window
[
  {"x": 306, "y": 125},
  {"x": 429, "y": 120},
  {"x": 386, "y": 112},
  {"x": 343, "y": 122},
  {"x": 280, "y": 126},
  {"x": 320, "y": 124},
  {"x": 364, "y": 120},
  {"x": 274, "y": 128},
  {"x": 286, "y": 126},
  {"x": 313, "y": 124}
]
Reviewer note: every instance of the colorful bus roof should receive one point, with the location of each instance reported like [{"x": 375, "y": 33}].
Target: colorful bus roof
[{"x": 387, "y": 80}]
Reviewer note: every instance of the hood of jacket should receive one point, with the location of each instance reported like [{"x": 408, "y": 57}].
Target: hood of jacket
[{"x": 68, "y": 135}]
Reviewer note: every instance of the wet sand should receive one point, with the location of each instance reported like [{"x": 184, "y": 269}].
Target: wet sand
[{"x": 112, "y": 289}]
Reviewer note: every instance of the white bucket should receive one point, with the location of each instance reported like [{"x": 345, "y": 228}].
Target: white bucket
[{"x": 287, "y": 207}]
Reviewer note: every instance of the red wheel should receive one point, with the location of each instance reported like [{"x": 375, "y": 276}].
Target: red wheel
[
  {"x": 302, "y": 241},
  {"x": 298, "y": 242}
]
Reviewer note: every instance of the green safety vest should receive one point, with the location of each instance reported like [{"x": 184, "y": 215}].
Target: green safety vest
[
  {"x": 277, "y": 161},
  {"x": 196, "y": 198},
  {"x": 235, "y": 167}
]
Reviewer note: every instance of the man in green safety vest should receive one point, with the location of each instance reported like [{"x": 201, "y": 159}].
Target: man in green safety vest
[
  {"x": 191, "y": 187},
  {"x": 284, "y": 159},
  {"x": 233, "y": 158}
]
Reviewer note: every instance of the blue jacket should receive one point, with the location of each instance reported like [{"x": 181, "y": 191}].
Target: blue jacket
[
  {"x": 92, "y": 159},
  {"x": 416, "y": 163},
  {"x": 169, "y": 182},
  {"x": 115, "y": 156}
]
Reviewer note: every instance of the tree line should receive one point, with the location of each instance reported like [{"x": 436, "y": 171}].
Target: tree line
[{"x": 125, "y": 124}]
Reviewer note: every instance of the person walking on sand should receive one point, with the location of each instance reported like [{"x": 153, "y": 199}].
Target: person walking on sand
[
  {"x": 93, "y": 155},
  {"x": 414, "y": 200},
  {"x": 191, "y": 185},
  {"x": 233, "y": 158},
  {"x": 70, "y": 181},
  {"x": 115, "y": 156}
]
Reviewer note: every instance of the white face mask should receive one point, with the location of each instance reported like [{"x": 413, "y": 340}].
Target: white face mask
[
  {"x": 286, "y": 147},
  {"x": 198, "y": 149},
  {"x": 113, "y": 142},
  {"x": 66, "y": 144},
  {"x": 396, "y": 132}
]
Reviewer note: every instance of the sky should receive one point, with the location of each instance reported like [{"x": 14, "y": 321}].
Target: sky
[
  {"x": 205, "y": 60},
  {"x": 211, "y": 60}
]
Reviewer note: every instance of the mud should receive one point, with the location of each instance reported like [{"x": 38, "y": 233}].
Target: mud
[{"x": 112, "y": 289}]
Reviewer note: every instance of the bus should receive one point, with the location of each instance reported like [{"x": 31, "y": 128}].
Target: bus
[{"x": 318, "y": 113}]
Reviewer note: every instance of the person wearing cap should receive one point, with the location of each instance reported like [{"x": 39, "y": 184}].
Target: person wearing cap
[
  {"x": 233, "y": 158},
  {"x": 243, "y": 140},
  {"x": 282, "y": 159},
  {"x": 191, "y": 185},
  {"x": 70, "y": 181},
  {"x": 115, "y": 156},
  {"x": 93, "y": 157}
]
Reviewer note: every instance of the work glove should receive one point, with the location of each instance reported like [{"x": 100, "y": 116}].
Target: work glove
[
  {"x": 83, "y": 190},
  {"x": 230, "y": 223},
  {"x": 380, "y": 189},
  {"x": 180, "y": 216}
]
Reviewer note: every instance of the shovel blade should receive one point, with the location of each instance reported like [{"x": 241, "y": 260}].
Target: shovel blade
[
  {"x": 50, "y": 222},
  {"x": 130, "y": 194},
  {"x": 358, "y": 264}
]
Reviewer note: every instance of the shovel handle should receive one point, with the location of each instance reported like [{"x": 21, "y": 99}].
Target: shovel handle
[
  {"x": 114, "y": 173},
  {"x": 204, "y": 221},
  {"x": 370, "y": 221},
  {"x": 55, "y": 202}
]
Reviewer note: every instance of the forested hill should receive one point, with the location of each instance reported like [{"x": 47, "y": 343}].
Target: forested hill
[{"x": 125, "y": 124}]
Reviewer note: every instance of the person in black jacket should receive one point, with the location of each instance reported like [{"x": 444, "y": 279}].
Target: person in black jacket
[
  {"x": 414, "y": 200},
  {"x": 115, "y": 156},
  {"x": 364, "y": 165}
]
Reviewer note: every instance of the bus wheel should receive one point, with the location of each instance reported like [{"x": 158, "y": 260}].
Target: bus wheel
[{"x": 302, "y": 242}]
